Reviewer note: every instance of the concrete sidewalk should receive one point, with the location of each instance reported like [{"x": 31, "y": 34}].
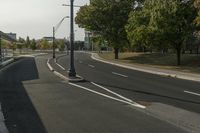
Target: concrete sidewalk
[{"x": 152, "y": 70}]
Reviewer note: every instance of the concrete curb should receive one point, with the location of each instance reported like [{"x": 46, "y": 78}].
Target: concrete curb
[{"x": 96, "y": 57}]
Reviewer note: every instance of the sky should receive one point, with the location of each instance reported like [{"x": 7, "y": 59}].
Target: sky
[{"x": 36, "y": 18}]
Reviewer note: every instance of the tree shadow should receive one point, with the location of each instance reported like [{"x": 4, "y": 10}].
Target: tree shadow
[{"x": 18, "y": 109}]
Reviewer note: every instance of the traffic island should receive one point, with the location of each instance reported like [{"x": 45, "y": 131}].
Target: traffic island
[{"x": 76, "y": 79}]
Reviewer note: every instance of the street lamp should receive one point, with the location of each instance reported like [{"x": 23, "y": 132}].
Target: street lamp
[
  {"x": 54, "y": 31},
  {"x": 0, "y": 49},
  {"x": 72, "y": 72}
]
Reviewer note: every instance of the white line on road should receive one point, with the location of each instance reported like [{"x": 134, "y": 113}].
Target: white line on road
[
  {"x": 193, "y": 93},
  {"x": 91, "y": 66},
  {"x": 120, "y": 74},
  {"x": 120, "y": 96},
  {"x": 110, "y": 97},
  {"x": 60, "y": 66},
  {"x": 51, "y": 69}
]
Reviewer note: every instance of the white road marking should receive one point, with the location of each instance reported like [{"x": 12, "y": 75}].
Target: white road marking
[
  {"x": 51, "y": 69},
  {"x": 60, "y": 75},
  {"x": 120, "y": 74},
  {"x": 60, "y": 66},
  {"x": 120, "y": 96},
  {"x": 80, "y": 62},
  {"x": 193, "y": 93},
  {"x": 91, "y": 66},
  {"x": 110, "y": 97}
]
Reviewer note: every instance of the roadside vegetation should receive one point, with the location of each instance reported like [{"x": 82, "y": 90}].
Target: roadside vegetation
[
  {"x": 169, "y": 27},
  {"x": 190, "y": 62}
]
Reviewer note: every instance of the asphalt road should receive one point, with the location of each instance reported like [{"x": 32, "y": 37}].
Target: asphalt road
[
  {"x": 139, "y": 86},
  {"x": 34, "y": 100}
]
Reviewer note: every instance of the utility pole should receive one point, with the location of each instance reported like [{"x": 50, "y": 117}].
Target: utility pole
[
  {"x": 72, "y": 72},
  {"x": 0, "y": 49},
  {"x": 55, "y": 28},
  {"x": 54, "y": 55}
]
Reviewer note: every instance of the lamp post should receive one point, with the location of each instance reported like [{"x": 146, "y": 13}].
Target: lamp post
[
  {"x": 54, "y": 55},
  {"x": 72, "y": 72},
  {"x": 54, "y": 31},
  {"x": 0, "y": 49}
]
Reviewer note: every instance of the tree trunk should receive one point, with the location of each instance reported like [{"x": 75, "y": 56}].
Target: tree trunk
[
  {"x": 116, "y": 53},
  {"x": 178, "y": 50}
]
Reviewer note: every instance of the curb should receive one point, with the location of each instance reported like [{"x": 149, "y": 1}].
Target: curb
[{"x": 96, "y": 57}]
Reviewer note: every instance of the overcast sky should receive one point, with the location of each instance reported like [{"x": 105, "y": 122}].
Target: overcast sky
[{"x": 36, "y": 18}]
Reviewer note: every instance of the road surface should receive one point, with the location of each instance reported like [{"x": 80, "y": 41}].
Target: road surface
[{"x": 34, "y": 100}]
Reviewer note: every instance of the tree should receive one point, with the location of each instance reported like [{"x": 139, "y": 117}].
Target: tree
[
  {"x": 21, "y": 40},
  {"x": 33, "y": 45},
  {"x": 197, "y": 5},
  {"x": 169, "y": 23},
  {"x": 43, "y": 44},
  {"x": 107, "y": 18},
  {"x": 60, "y": 44},
  {"x": 27, "y": 43}
]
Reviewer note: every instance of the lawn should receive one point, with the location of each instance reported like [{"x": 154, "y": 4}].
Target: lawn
[{"x": 189, "y": 62}]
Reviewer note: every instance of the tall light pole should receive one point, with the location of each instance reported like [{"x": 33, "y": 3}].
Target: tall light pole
[
  {"x": 54, "y": 31},
  {"x": 72, "y": 71},
  {"x": 54, "y": 55},
  {"x": 0, "y": 49}
]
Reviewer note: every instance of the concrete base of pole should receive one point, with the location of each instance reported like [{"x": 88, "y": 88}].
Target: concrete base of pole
[{"x": 76, "y": 79}]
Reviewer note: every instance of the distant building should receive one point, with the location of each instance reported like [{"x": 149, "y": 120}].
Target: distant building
[
  {"x": 49, "y": 39},
  {"x": 12, "y": 35}
]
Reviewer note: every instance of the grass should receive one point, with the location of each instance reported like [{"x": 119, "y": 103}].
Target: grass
[{"x": 189, "y": 62}]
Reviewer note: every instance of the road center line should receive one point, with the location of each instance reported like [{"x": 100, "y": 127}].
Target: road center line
[
  {"x": 120, "y": 96},
  {"x": 107, "y": 96},
  {"x": 91, "y": 66},
  {"x": 193, "y": 93},
  {"x": 120, "y": 74}
]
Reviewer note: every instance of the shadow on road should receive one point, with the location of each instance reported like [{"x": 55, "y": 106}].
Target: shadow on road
[{"x": 18, "y": 109}]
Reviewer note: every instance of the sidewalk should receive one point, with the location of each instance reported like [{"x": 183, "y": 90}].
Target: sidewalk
[{"x": 152, "y": 70}]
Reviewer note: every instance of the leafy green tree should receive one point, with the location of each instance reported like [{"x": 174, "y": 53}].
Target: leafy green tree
[
  {"x": 33, "y": 45},
  {"x": 21, "y": 40},
  {"x": 197, "y": 5},
  {"x": 43, "y": 44},
  {"x": 162, "y": 23},
  {"x": 60, "y": 44},
  {"x": 28, "y": 42},
  {"x": 107, "y": 18}
]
